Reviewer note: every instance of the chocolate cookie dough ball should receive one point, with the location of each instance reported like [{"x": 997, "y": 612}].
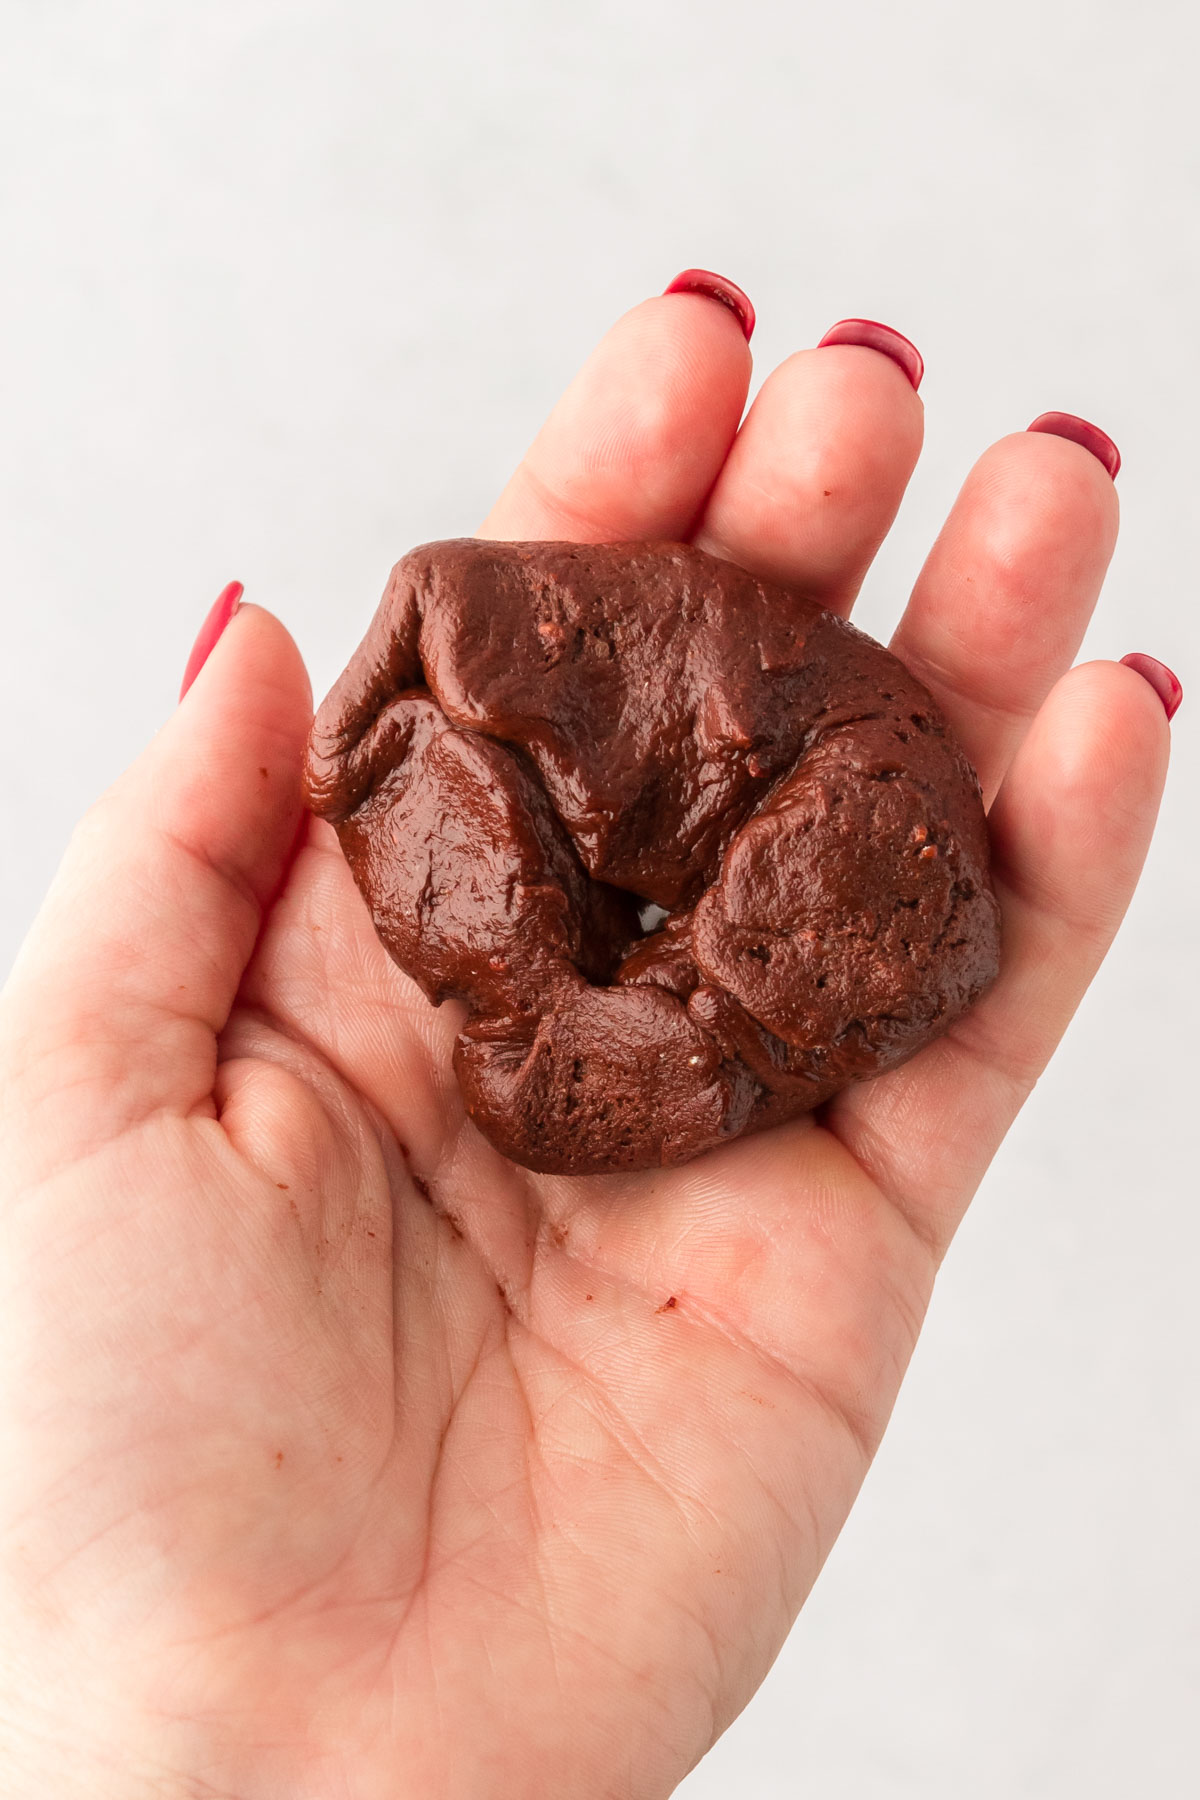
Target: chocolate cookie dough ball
[{"x": 695, "y": 852}]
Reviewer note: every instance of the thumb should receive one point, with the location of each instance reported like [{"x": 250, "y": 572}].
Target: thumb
[{"x": 131, "y": 968}]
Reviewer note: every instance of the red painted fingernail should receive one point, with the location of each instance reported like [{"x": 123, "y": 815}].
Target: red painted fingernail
[
  {"x": 1066, "y": 425},
  {"x": 1164, "y": 681},
  {"x": 716, "y": 287},
  {"x": 871, "y": 335},
  {"x": 222, "y": 610}
]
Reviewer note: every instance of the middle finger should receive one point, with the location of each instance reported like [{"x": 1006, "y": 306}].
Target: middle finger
[{"x": 817, "y": 472}]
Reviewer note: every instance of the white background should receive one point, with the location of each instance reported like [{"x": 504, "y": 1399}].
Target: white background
[{"x": 288, "y": 285}]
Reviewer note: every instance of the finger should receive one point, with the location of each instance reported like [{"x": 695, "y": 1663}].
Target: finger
[
  {"x": 1071, "y": 827},
  {"x": 1002, "y": 603},
  {"x": 635, "y": 443},
  {"x": 133, "y": 963},
  {"x": 819, "y": 468}
]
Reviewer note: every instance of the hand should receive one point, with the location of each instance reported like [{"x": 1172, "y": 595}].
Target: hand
[{"x": 339, "y": 1457}]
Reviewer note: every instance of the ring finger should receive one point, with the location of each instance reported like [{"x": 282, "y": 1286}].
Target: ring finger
[{"x": 1004, "y": 598}]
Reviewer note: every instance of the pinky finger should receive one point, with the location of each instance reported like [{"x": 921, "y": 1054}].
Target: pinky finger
[{"x": 1070, "y": 830}]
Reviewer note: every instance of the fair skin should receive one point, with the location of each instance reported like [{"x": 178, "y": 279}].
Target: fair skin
[{"x": 339, "y": 1458}]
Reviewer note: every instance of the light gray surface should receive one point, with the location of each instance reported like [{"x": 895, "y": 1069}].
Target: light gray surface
[{"x": 289, "y": 284}]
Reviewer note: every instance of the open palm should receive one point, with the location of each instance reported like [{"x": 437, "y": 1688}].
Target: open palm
[{"x": 340, "y": 1457}]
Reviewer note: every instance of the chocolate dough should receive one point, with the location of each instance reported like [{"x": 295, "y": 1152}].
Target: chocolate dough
[{"x": 694, "y": 852}]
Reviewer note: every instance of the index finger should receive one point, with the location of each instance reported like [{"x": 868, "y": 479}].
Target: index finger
[{"x": 638, "y": 438}]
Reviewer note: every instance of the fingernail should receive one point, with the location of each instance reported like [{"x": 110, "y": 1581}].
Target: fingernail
[
  {"x": 716, "y": 287},
  {"x": 1079, "y": 431},
  {"x": 870, "y": 335},
  {"x": 1164, "y": 681},
  {"x": 222, "y": 610}
]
